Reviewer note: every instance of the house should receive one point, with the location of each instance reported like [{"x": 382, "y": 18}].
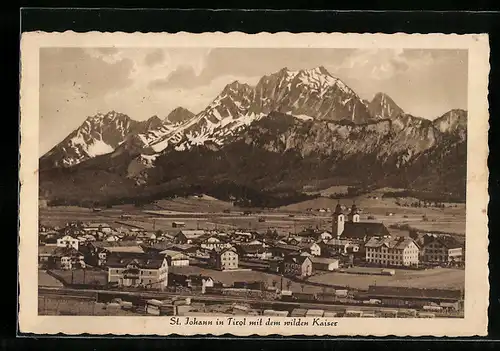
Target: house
[
  {"x": 97, "y": 227},
  {"x": 282, "y": 250},
  {"x": 214, "y": 243},
  {"x": 195, "y": 281},
  {"x": 400, "y": 251},
  {"x": 312, "y": 248},
  {"x": 248, "y": 250},
  {"x": 175, "y": 258},
  {"x": 112, "y": 238},
  {"x": 242, "y": 236},
  {"x": 441, "y": 249},
  {"x": 224, "y": 259},
  {"x": 324, "y": 264},
  {"x": 297, "y": 266},
  {"x": 342, "y": 246},
  {"x": 188, "y": 236},
  {"x": 325, "y": 236},
  {"x": 146, "y": 271},
  {"x": 178, "y": 224},
  {"x": 100, "y": 250},
  {"x": 68, "y": 241},
  {"x": 60, "y": 257}
]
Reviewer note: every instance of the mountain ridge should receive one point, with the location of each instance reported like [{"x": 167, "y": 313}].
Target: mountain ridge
[{"x": 291, "y": 128}]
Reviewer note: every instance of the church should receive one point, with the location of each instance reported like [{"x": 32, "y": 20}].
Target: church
[{"x": 352, "y": 228}]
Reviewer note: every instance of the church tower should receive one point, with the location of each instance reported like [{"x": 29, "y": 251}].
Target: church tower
[
  {"x": 354, "y": 214},
  {"x": 338, "y": 221}
]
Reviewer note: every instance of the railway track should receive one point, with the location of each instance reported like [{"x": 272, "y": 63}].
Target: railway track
[{"x": 93, "y": 295}]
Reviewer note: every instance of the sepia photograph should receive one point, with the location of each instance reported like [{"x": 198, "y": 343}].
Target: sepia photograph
[{"x": 272, "y": 186}]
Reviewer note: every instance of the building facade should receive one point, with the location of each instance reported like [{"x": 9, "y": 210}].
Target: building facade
[
  {"x": 442, "y": 249},
  {"x": 214, "y": 243},
  {"x": 401, "y": 251},
  {"x": 225, "y": 259},
  {"x": 68, "y": 241},
  {"x": 150, "y": 273},
  {"x": 297, "y": 266}
]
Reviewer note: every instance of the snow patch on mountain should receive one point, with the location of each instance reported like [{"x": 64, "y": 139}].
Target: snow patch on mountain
[
  {"x": 98, "y": 147},
  {"x": 303, "y": 117}
]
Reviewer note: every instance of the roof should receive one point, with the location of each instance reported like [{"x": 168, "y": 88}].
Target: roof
[
  {"x": 297, "y": 259},
  {"x": 172, "y": 253},
  {"x": 46, "y": 250},
  {"x": 286, "y": 247},
  {"x": 447, "y": 241},
  {"x": 323, "y": 260},
  {"x": 396, "y": 291},
  {"x": 108, "y": 244},
  {"x": 134, "y": 249},
  {"x": 359, "y": 230},
  {"x": 335, "y": 242},
  {"x": 223, "y": 250},
  {"x": 191, "y": 234},
  {"x": 306, "y": 245},
  {"x": 96, "y": 225},
  {"x": 338, "y": 209},
  {"x": 150, "y": 262},
  {"x": 245, "y": 248},
  {"x": 57, "y": 251},
  {"x": 182, "y": 247},
  {"x": 399, "y": 243}
]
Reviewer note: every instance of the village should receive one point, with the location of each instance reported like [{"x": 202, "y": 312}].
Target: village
[{"x": 357, "y": 264}]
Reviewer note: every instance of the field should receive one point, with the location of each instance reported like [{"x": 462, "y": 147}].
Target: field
[
  {"x": 449, "y": 219},
  {"x": 45, "y": 279},
  {"x": 80, "y": 276},
  {"x": 439, "y": 278},
  {"x": 289, "y": 219},
  {"x": 228, "y": 278}
]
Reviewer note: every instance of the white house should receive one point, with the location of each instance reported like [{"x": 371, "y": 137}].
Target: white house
[
  {"x": 98, "y": 227},
  {"x": 214, "y": 243},
  {"x": 313, "y": 248},
  {"x": 68, "y": 241},
  {"x": 325, "y": 236},
  {"x": 401, "y": 251},
  {"x": 324, "y": 264},
  {"x": 176, "y": 258}
]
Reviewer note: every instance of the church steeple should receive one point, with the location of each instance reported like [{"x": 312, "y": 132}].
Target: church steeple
[
  {"x": 338, "y": 221},
  {"x": 338, "y": 209},
  {"x": 354, "y": 214}
]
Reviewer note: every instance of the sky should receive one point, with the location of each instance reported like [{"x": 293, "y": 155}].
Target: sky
[{"x": 79, "y": 82}]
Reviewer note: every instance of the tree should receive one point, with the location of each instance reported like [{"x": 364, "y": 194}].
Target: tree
[
  {"x": 288, "y": 284},
  {"x": 302, "y": 287}
]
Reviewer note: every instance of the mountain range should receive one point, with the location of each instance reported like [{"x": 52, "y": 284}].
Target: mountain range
[{"x": 290, "y": 129}]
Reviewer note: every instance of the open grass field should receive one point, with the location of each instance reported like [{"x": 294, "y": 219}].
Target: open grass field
[
  {"x": 439, "y": 278},
  {"x": 45, "y": 279},
  {"x": 80, "y": 276},
  {"x": 228, "y": 278}
]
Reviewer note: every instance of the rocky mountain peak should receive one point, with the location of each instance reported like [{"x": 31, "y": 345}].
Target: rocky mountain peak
[
  {"x": 178, "y": 115},
  {"x": 383, "y": 106}
]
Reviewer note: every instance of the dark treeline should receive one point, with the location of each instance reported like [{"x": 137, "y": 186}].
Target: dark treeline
[{"x": 239, "y": 195}]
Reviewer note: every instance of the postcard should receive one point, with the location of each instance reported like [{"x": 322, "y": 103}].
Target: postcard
[{"x": 254, "y": 184}]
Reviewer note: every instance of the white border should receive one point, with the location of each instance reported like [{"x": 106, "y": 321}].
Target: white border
[{"x": 476, "y": 282}]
